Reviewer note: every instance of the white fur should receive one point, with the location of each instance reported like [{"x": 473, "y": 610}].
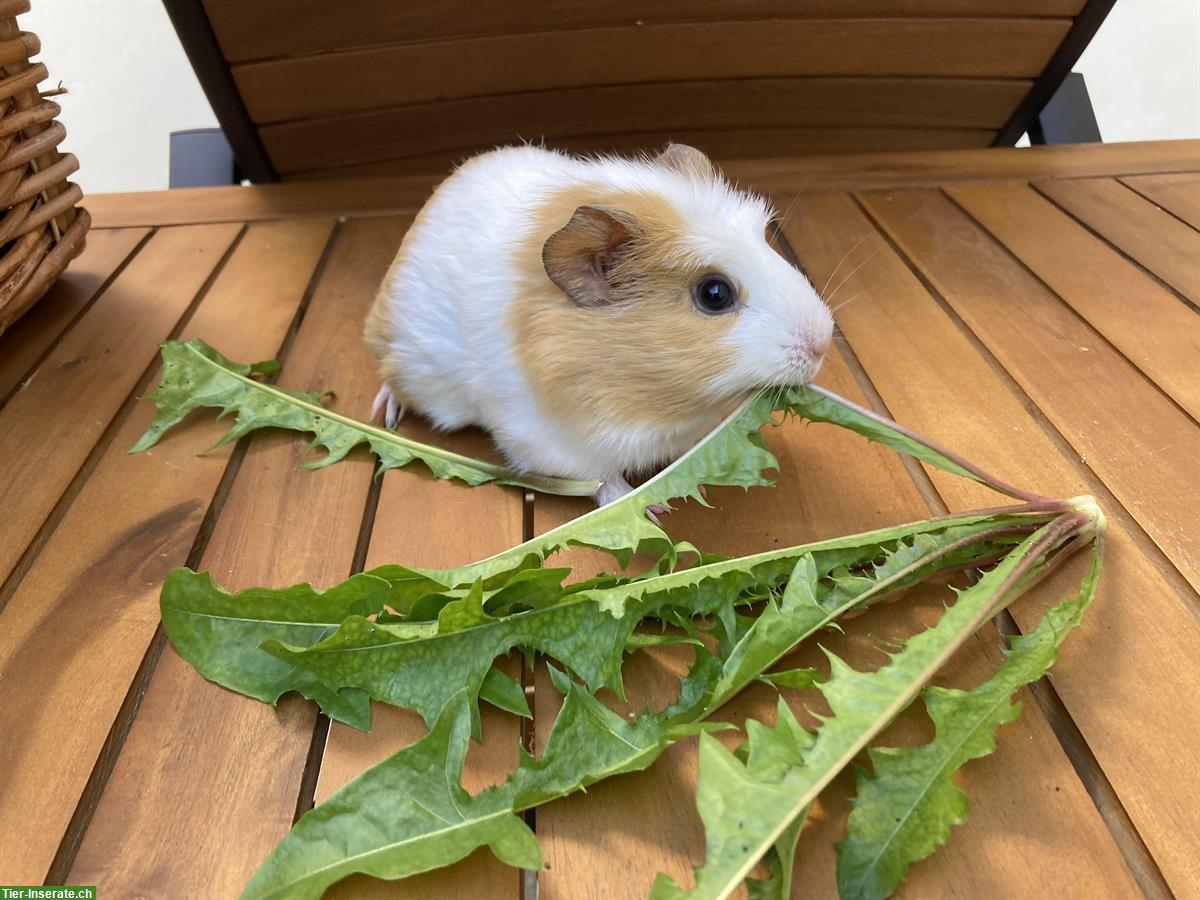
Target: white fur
[{"x": 449, "y": 300}]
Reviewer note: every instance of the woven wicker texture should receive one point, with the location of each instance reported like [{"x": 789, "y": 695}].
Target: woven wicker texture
[{"x": 41, "y": 229}]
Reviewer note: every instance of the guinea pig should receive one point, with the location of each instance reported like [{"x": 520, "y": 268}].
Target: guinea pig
[{"x": 596, "y": 315}]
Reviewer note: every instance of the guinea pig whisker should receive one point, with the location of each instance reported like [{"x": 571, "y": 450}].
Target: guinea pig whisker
[
  {"x": 850, "y": 275},
  {"x": 779, "y": 220},
  {"x": 828, "y": 280},
  {"x": 847, "y": 302},
  {"x": 776, "y": 395}
]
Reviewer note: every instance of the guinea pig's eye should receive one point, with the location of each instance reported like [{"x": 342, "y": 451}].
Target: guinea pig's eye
[{"x": 714, "y": 295}]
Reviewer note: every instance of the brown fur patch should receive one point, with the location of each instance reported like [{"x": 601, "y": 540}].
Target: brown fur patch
[{"x": 642, "y": 360}]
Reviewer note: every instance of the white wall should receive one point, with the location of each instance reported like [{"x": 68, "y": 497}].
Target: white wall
[
  {"x": 1143, "y": 71},
  {"x": 131, "y": 84}
]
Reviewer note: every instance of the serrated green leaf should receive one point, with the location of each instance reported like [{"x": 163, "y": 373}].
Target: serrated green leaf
[
  {"x": 195, "y": 375},
  {"x": 589, "y": 742},
  {"x": 905, "y": 810},
  {"x": 408, "y": 814},
  {"x": 220, "y": 633},
  {"x": 393, "y": 820},
  {"x": 589, "y": 629},
  {"x": 751, "y": 806}
]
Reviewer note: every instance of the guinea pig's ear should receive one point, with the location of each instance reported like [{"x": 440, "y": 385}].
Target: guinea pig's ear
[
  {"x": 688, "y": 161},
  {"x": 580, "y": 255}
]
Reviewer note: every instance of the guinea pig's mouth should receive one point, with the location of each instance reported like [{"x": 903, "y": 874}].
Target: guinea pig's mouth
[{"x": 802, "y": 367}]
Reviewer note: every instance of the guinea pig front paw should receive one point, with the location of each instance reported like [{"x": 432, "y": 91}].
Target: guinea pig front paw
[{"x": 386, "y": 402}]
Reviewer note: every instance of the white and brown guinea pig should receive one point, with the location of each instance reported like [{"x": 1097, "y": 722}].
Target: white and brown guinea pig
[{"x": 595, "y": 315}]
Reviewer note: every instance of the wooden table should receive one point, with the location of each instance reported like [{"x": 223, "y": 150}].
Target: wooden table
[{"x": 1034, "y": 309}]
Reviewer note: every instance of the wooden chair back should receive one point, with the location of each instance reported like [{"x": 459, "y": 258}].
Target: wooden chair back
[{"x": 310, "y": 88}]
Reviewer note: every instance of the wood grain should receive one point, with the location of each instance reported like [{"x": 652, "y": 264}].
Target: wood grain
[
  {"x": 90, "y": 602},
  {"x": 199, "y": 754},
  {"x": 311, "y": 86},
  {"x": 249, "y": 31},
  {"x": 1166, "y": 246},
  {"x": 421, "y": 521},
  {"x": 1136, "y": 440},
  {"x": 27, "y": 339},
  {"x": 933, "y": 379},
  {"x": 648, "y": 820},
  {"x": 1179, "y": 194},
  {"x": 717, "y": 143},
  {"x": 1133, "y": 312},
  {"x": 869, "y": 103},
  {"x": 79, "y": 387}
]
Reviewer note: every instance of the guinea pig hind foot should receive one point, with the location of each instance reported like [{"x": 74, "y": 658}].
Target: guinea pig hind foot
[
  {"x": 616, "y": 488},
  {"x": 612, "y": 489},
  {"x": 386, "y": 403}
]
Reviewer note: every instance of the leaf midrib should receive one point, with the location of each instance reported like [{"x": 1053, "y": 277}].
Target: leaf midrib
[
  {"x": 503, "y": 474},
  {"x": 425, "y": 835},
  {"x": 978, "y": 721}
]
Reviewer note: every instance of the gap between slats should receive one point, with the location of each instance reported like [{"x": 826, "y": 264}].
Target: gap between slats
[
  {"x": 306, "y": 798},
  {"x": 1098, "y": 335},
  {"x": 1124, "y": 180},
  {"x": 1128, "y": 257},
  {"x": 92, "y": 792},
  {"x": 1137, "y": 856}
]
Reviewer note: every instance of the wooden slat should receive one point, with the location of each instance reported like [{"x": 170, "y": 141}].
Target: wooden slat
[
  {"x": 78, "y": 388},
  {"x": 261, "y": 202},
  {"x": 1135, "y": 439},
  {"x": 1166, "y": 246},
  {"x": 90, "y": 602},
  {"x": 416, "y": 513},
  {"x": 1160, "y": 335},
  {"x": 927, "y": 169},
  {"x": 717, "y": 143},
  {"x": 198, "y": 754},
  {"x": 36, "y": 331},
  {"x": 391, "y": 76},
  {"x": 252, "y": 30},
  {"x": 934, "y": 380},
  {"x": 373, "y": 194},
  {"x": 619, "y": 109},
  {"x": 831, "y": 483},
  {"x": 1179, "y": 194}
]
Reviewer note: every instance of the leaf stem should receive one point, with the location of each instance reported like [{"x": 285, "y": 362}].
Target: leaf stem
[{"x": 986, "y": 477}]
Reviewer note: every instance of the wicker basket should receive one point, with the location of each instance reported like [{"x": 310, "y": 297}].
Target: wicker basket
[{"x": 40, "y": 227}]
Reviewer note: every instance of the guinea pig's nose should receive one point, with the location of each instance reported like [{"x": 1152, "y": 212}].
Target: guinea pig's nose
[{"x": 817, "y": 347}]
